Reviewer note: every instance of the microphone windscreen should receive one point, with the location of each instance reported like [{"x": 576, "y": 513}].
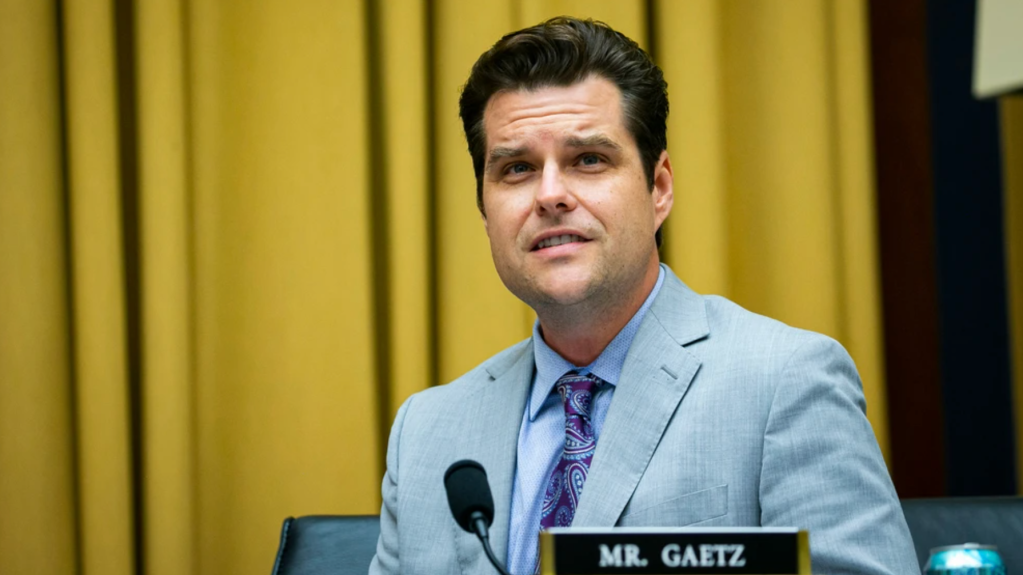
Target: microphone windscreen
[{"x": 468, "y": 491}]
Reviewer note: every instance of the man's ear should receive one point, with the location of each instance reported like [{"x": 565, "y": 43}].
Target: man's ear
[{"x": 663, "y": 191}]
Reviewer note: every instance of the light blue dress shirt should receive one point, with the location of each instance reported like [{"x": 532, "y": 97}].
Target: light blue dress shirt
[{"x": 542, "y": 434}]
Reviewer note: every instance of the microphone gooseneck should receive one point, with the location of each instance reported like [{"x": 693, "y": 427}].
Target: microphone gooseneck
[{"x": 471, "y": 503}]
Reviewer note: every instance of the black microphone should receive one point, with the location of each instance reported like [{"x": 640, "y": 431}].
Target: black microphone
[{"x": 471, "y": 503}]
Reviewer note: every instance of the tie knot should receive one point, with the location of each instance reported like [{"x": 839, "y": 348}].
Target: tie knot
[{"x": 577, "y": 393}]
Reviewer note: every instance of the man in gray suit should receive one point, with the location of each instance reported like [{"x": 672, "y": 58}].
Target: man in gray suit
[{"x": 637, "y": 402}]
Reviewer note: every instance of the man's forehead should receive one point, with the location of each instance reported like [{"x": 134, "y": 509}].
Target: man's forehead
[{"x": 586, "y": 110}]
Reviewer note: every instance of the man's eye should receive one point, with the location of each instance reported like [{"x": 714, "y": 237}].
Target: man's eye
[
  {"x": 517, "y": 169},
  {"x": 589, "y": 160}
]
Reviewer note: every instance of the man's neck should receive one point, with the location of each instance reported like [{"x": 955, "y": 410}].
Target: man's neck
[{"x": 580, "y": 336}]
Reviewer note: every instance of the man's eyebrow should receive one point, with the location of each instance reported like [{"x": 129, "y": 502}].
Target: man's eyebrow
[
  {"x": 594, "y": 141},
  {"x": 499, "y": 153}
]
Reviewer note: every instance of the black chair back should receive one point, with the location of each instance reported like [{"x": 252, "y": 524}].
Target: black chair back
[
  {"x": 955, "y": 520},
  {"x": 322, "y": 544}
]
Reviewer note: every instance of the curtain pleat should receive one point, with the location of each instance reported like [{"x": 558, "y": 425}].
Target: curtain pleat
[
  {"x": 167, "y": 431},
  {"x": 38, "y": 521},
  {"x": 235, "y": 237},
  {"x": 406, "y": 159},
  {"x": 98, "y": 304},
  {"x": 1011, "y": 112},
  {"x": 859, "y": 283},
  {"x": 696, "y": 234}
]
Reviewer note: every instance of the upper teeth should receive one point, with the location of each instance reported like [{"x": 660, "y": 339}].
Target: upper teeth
[{"x": 558, "y": 240}]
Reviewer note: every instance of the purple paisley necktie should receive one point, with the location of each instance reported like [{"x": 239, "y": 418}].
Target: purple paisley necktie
[{"x": 565, "y": 485}]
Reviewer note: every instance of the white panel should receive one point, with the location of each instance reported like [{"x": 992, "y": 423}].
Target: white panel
[{"x": 998, "y": 60}]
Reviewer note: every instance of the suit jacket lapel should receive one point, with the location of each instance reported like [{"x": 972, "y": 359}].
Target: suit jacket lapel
[
  {"x": 495, "y": 415},
  {"x": 655, "y": 377}
]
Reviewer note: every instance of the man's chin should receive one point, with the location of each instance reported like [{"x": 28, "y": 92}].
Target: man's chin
[{"x": 564, "y": 294}]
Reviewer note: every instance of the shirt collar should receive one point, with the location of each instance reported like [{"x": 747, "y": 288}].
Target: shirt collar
[{"x": 550, "y": 366}]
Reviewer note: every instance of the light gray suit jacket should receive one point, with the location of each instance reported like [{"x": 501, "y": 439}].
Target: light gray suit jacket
[{"x": 721, "y": 418}]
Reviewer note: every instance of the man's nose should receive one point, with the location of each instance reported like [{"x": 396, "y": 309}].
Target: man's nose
[{"x": 554, "y": 194}]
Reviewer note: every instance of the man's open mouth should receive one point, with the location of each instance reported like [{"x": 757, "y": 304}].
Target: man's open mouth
[{"x": 558, "y": 240}]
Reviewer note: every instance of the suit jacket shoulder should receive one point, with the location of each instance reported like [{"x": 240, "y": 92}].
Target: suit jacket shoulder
[
  {"x": 467, "y": 383},
  {"x": 476, "y": 416}
]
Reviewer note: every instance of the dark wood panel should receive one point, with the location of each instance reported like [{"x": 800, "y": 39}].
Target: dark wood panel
[{"x": 902, "y": 140}]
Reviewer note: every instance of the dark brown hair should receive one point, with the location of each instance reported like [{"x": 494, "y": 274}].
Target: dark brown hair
[{"x": 560, "y": 52}]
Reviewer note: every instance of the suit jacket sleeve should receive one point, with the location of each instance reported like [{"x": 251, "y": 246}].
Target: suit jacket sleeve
[
  {"x": 386, "y": 559},
  {"x": 823, "y": 471}
]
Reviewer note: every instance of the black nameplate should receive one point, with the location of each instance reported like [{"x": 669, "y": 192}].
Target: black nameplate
[{"x": 761, "y": 551}]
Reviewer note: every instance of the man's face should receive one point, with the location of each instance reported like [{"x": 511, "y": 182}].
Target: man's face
[{"x": 567, "y": 206}]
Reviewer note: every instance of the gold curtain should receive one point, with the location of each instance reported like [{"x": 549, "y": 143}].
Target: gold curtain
[{"x": 235, "y": 236}]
